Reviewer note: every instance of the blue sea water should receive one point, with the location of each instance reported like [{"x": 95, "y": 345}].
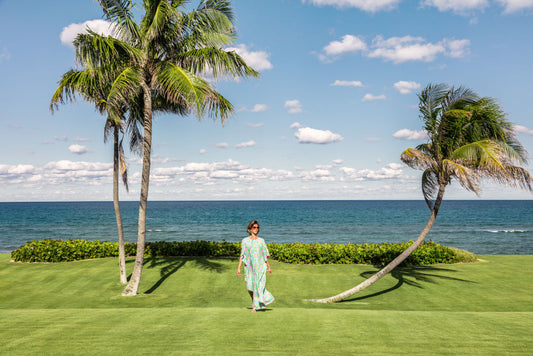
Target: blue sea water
[{"x": 479, "y": 226}]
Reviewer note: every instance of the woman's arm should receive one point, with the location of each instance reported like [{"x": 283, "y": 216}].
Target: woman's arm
[
  {"x": 239, "y": 267},
  {"x": 268, "y": 265}
]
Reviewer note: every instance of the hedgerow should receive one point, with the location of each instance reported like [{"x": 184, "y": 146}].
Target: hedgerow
[{"x": 429, "y": 252}]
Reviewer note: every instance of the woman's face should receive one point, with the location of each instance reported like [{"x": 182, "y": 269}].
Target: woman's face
[{"x": 255, "y": 229}]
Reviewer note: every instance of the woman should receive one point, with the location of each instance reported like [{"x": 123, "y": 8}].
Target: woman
[{"x": 254, "y": 255}]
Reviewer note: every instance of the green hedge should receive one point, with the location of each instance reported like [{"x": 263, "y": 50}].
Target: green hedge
[{"x": 51, "y": 250}]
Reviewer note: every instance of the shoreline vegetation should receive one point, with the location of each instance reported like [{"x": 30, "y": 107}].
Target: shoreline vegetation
[
  {"x": 198, "y": 305},
  {"x": 428, "y": 253}
]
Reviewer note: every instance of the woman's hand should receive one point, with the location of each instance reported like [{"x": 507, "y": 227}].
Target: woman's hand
[{"x": 239, "y": 272}]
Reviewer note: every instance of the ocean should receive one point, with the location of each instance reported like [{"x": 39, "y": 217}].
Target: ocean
[{"x": 480, "y": 226}]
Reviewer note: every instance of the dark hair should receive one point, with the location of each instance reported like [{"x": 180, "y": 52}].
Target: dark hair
[{"x": 252, "y": 223}]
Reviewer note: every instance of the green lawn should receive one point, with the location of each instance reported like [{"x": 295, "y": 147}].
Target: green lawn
[{"x": 200, "y": 306}]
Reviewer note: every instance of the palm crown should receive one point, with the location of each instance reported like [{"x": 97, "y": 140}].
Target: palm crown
[{"x": 469, "y": 138}]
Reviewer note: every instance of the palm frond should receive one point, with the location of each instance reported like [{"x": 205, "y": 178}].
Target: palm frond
[
  {"x": 121, "y": 13},
  {"x": 467, "y": 177},
  {"x": 430, "y": 187},
  {"x": 123, "y": 165},
  {"x": 417, "y": 159},
  {"x": 217, "y": 61}
]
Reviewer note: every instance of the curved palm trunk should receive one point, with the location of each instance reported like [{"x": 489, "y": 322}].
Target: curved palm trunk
[
  {"x": 118, "y": 216},
  {"x": 133, "y": 285},
  {"x": 394, "y": 263}
]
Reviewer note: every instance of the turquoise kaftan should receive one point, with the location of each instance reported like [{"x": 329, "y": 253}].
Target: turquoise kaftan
[{"x": 254, "y": 254}]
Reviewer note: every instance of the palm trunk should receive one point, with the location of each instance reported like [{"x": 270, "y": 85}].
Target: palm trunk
[
  {"x": 133, "y": 285},
  {"x": 118, "y": 216},
  {"x": 394, "y": 263}
]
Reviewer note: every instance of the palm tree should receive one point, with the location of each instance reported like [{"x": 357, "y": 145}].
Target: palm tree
[
  {"x": 94, "y": 87},
  {"x": 469, "y": 139},
  {"x": 161, "y": 59}
]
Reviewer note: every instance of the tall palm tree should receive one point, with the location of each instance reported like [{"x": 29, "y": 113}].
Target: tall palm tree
[
  {"x": 94, "y": 87},
  {"x": 469, "y": 138},
  {"x": 161, "y": 59}
]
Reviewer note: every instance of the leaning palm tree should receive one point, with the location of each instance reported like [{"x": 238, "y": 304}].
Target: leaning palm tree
[
  {"x": 94, "y": 87},
  {"x": 469, "y": 139},
  {"x": 162, "y": 58}
]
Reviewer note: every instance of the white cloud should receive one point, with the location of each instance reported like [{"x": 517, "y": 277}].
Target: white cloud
[
  {"x": 81, "y": 139},
  {"x": 397, "y": 49},
  {"x": 69, "y": 33},
  {"x": 522, "y": 130},
  {"x": 78, "y": 149},
  {"x": 222, "y": 145},
  {"x": 246, "y": 144},
  {"x": 348, "y": 44},
  {"x": 203, "y": 151},
  {"x": 338, "y": 161},
  {"x": 370, "y": 97},
  {"x": 346, "y": 83},
  {"x": 293, "y": 106},
  {"x": 61, "y": 138},
  {"x": 458, "y": 6},
  {"x": 310, "y": 135},
  {"x": 457, "y": 48},
  {"x": 407, "y": 48},
  {"x": 390, "y": 171},
  {"x": 364, "y": 5},
  {"x": 259, "y": 108},
  {"x": 406, "y": 134},
  {"x": 258, "y": 60},
  {"x": 405, "y": 87},
  {"x": 515, "y": 5}
]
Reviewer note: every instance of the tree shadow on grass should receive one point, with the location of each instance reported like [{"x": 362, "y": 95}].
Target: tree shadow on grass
[
  {"x": 170, "y": 265},
  {"x": 412, "y": 276}
]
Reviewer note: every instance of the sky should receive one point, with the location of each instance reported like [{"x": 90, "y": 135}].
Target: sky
[{"x": 333, "y": 109}]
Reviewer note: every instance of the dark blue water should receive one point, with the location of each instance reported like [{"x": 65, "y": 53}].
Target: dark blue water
[{"x": 480, "y": 226}]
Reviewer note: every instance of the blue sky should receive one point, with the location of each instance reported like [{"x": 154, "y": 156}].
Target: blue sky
[{"x": 328, "y": 119}]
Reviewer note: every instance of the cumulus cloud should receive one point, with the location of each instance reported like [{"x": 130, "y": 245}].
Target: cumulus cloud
[
  {"x": 295, "y": 125},
  {"x": 364, "y": 5},
  {"x": 349, "y": 43},
  {"x": 246, "y": 144},
  {"x": 222, "y": 145},
  {"x": 346, "y": 83},
  {"x": 457, "y": 48},
  {"x": 78, "y": 149},
  {"x": 405, "y": 87},
  {"x": 293, "y": 106},
  {"x": 515, "y": 5},
  {"x": 409, "y": 48},
  {"x": 390, "y": 171},
  {"x": 258, "y": 60},
  {"x": 310, "y": 135},
  {"x": 69, "y": 33},
  {"x": 259, "y": 108},
  {"x": 370, "y": 97},
  {"x": 457, "y": 6},
  {"x": 406, "y": 134},
  {"x": 522, "y": 130},
  {"x": 397, "y": 49}
]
